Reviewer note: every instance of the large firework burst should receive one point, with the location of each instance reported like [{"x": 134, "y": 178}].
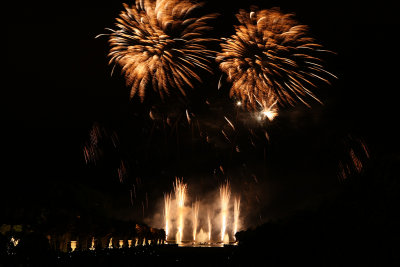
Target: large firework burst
[
  {"x": 271, "y": 56},
  {"x": 162, "y": 42}
]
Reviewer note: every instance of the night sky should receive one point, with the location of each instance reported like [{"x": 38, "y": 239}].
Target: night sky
[{"x": 57, "y": 84}]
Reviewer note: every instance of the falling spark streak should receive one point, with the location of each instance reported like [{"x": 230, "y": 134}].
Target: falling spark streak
[
  {"x": 167, "y": 212},
  {"x": 195, "y": 212},
  {"x": 220, "y": 82},
  {"x": 180, "y": 195},
  {"x": 222, "y": 131},
  {"x": 236, "y": 213},
  {"x": 225, "y": 194},
  {"x": 188, "y": 117},
  {"x": 230, "y": 123}
]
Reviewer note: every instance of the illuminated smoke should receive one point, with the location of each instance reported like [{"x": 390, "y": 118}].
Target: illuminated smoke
[
  {"x": 167, "y": 212},
  {"x": 180, "y": 195},
  {"x": 236, "y": 213},
  {"x": 195, "y": 212},
  {"x": 225, "y": 194}
]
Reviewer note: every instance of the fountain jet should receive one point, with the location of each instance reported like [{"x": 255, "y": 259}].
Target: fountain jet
[
  {"x": 167, "y": 211},
  {"x": 236, "y": 213},
  {"x": 195, "y": 213},
  {"x": 209, "y": 226},
  {"x": 180, "y": 195},
  {"x": 225, "y": 194}
]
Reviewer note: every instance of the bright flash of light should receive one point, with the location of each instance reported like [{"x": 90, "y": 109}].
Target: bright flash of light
[
  {"x": 271, "y": 55},
  {"x": 225, "y": 194},
  {"x": 195, "y": 213},
  {"x": 236, "y": 214},
  {"x": 162, "y": 43},
  {"x": 180, "y": 195},
  {"x": 270, "y": 111},
  {"x": 167, "y": 213}
]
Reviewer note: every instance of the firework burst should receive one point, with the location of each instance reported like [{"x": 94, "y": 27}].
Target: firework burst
[
  {"x": 271, "y": 56},
  {"x": 160, "y": 42}
]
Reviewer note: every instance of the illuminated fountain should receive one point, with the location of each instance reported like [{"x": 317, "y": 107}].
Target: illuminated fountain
[
  {"x": 201, "y": 225},
  {"x": 225, "y": 194},
  {"x": 195, "y": 212},
  {"x": 167, "y": 211},
  {"x": 180, "y": 195},
  {"x": 129, "y": 243},
  {"x": 110, "y": 243},
  {"x": 121, "y": 243}
]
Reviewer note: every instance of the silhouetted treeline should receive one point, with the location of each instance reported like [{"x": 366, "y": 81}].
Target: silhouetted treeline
[{"x": 360, "y": 227}]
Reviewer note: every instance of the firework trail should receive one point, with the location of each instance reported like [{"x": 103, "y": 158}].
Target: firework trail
[
  {"x": 195, "y": 212},
  {"x": 91, "y": 150},
  {"x": 160, "y": 42},
  {"x": 356, "y": 154},
  {"x": 122, "y": 173},
  {"x": 167, "y": 212},
  {"x": 180, "y": 195},
  {"x": 236, "y": 213},
  {"x": 225, "y": 194},
  {"x": 271, "y": 56}
]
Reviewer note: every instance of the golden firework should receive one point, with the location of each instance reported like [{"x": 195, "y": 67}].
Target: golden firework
[
  {"x": 162, "y": 43},
  {"x": 271, "y": 56}
]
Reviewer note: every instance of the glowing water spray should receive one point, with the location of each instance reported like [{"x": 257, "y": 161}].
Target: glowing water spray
[
  {"x": 225, "y": 194},
  {"x": 195, "y": 213},
  {"x": 180, "y": 194},
  {"x": 167, "y": 211},
  {"x": 236, "y": 212}
]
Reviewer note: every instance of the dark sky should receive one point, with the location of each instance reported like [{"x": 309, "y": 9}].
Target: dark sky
[{"x": 57, "y": 84}]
